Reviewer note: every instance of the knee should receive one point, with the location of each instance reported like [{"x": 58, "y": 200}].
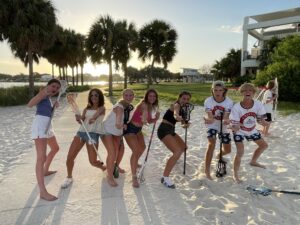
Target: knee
[
  {"x": 265, "y": 145},
  {"x": 240, "y": 153},
  {"x": 178, "y": 153},
  {"x": 55, "y": 149}
]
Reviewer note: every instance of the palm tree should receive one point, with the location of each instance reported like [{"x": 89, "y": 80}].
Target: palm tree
[
  {"x": 126, "y": 41},
  {"x": 157, "y": 42},
  {"x": 29, "y": 30},
  {"x": 100, "y": 44}
]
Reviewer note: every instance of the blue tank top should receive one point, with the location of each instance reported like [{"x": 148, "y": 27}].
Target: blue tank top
[{"x": 44, "y": 107}]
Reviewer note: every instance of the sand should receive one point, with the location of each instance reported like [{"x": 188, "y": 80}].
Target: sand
[{"x": 196, "y": 200}]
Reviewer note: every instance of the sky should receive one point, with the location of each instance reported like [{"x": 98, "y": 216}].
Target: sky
[{"x": 207, "y": 29}]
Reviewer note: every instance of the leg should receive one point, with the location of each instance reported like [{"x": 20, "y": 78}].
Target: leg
[
  {"x": 108, "y": 142},
  {"x": 262, "y": 145},
  {"x": 226, "y": 149},
  {"x": 74, "y": 149},
  {"x": 208, "y": 156},
  {"x": 237, "y": 160},
  {"x": 93, "y": 157},
  {"x": 176, "y": 145},
  {"x": 41, "y": 148},
  {"x": 120, "y": 149},
  {"x": 54, "y": 149}
]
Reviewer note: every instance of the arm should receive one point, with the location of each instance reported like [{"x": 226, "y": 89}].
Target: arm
[
  {"x": 226, "y": 120},
  {"x": 209, "y": 119},
  {"x": 145, "y": 112},
  {"x": 43, "y": 93},
  {"x": 176, "y": 112},
  {"x": 100, "y": 111},
  {"x": 119, "y": 112}
]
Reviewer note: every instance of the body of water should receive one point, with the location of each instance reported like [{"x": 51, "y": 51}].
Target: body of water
[{"x": 18, "y": 84}]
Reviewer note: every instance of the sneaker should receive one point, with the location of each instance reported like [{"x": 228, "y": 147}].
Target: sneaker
[
  {"x": 167, "y": 182},
  {"x": 67, "y": 183}
]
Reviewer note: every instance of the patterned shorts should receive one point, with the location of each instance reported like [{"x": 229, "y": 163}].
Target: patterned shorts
[
  {"x": 224, "y": 137},
  {"x": 240, "y": 138}
]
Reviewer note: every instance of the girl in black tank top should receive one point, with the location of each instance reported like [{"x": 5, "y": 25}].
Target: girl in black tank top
[{"x": 166, "y": 133}]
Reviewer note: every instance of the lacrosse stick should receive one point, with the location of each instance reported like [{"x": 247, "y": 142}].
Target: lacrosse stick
[
  {"x": 276, "y": 100},
  {"x": 127, "y": 111},
  {"x": 221, "y": 167},
  {"x": 63, "y": 88},
  {"x": 76, "y": 110},
  {"x": 267, "y": 191},
  {"x": 140, "y": 174},
  {"x": 186, "y": 115}
]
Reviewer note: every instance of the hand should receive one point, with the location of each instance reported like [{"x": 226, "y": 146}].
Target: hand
[
  {"x": 119, "y": 125},
  {"x": 226, "y": 121},
  {"x": 92, "y": 120},
  {"x": 56, "y": 104},
  {"x": 208, "y": 120},
  {"x": 178, "y": 118},
  {"x": 78, "y": 118},
  {"x": 186, "y": 125},
  {"x": 234, "y": 128}
]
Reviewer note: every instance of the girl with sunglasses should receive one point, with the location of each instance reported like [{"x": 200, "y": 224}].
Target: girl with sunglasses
[{"x": 92, "y": 117}]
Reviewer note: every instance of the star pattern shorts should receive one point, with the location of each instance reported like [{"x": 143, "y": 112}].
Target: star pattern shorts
[
  {"x": 240, "y": 138},
  {"x": 225, "y": 137}
]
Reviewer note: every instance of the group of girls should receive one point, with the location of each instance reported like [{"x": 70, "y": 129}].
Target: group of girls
[{"x": 112, "y": 128}]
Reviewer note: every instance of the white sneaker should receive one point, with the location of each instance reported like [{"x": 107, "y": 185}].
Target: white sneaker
[
  {"x": 167, "y": 182},
  {"x": 67, "y": 183}
]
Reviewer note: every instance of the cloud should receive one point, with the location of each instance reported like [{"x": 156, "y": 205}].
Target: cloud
[{"x": 232, "y": 29}]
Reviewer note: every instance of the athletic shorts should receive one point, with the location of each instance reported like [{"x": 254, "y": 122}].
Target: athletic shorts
[
  {"x": 240, "y": 138},
  {"x": 225, "y": 137},
  {"x": 165, "y": 129},
  {"x": 132, "y": 129},
  {"x": 39, "y": 127},
  {"x": 269, "y": 117},
  {"x": 84, "y": 137}
]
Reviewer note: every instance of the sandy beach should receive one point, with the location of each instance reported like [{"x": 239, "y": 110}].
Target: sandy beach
[{"x": 196, "y": 200}]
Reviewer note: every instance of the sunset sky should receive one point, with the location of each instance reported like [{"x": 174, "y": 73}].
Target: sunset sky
[{"x": 207, "y": 29}]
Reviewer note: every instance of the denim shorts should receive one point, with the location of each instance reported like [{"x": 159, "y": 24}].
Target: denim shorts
[
  {"x": 240, "y": 138},
  {"x": 132, "y": 129},
  {"x": 165, "y": 129},
  {"x": 225, "y": 137},
  {"x": 84, "y": 137}
]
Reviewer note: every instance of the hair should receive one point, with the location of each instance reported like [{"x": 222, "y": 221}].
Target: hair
[
  {"x": 100, "y": 98},
  {"x": 122, "y": 101},
  {"x": 245, "y": 86},
  {"x": 183, "y": 93},
  {"x": 271, "y": 84},
  {"x": 155, "y": 104},
  {"x": 219, "y": 83},
  {"x": 53, "y": 80}
]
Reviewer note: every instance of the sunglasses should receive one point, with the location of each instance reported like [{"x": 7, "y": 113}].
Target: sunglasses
[{"x": 94, "y": 95}]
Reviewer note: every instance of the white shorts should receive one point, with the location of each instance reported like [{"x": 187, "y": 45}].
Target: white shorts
[{"x": 39, "y": 127}]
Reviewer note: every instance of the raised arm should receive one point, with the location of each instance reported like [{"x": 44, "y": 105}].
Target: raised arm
[{"x": 43, "y": 93}]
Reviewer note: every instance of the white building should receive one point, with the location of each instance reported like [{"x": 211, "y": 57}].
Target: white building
[
  {"x": 190, "y": 75},
  {"x": 263, "y": 27}
]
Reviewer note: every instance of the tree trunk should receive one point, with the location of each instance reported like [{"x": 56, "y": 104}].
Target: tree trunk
[
  {"x": 76, "y": 75},
  {"x": 52, "y": 70},
  {"x": 149, "y": 82},
  {"x": 81, "y": 67},
  {"x": 31, "y": 80},
  {"x": 59, "y": 70},
  {"x": 125, "y": 75},
  {"x": 110, "y": 93},
  {"x": 73, "y": 77}
]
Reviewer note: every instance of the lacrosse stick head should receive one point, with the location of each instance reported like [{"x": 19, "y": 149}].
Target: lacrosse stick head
[
  {"x": 63, "y": 88},
  {"x": 221, "y": 168},
  {"x": 186, "y": 111},
  {"x": 127, "y": 111}
]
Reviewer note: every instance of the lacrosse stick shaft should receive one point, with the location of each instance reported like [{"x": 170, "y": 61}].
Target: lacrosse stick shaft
[
  {"x": 287, "y": 192},
  {"x": 184, "y": 155},
  {"x": 140, "y": 175},
  {"x": 53, "y": 109}
]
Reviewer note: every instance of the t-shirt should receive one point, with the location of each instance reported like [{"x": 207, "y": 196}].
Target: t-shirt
[
  {"x": 246, "y": 118},
  {"x": 109, "y": 122},
  {"x": 211, "y": 105},
  {"x": 268, "y": 95}
]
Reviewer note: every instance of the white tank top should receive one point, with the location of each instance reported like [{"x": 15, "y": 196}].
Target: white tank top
[
  {"x": 95, "y": 127},
  {"x": 109, "y": 122}
]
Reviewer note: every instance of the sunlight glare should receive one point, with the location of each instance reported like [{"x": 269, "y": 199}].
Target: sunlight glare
[{"x": 96, "y": 70}]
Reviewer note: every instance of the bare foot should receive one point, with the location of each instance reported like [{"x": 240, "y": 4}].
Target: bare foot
[
  {"x": 236, "y": 179},
  {"x": 112, "y": 182},
  {"x": 256, "y": 164},
  {"x": 102, "y": 167},
  {"x": 135, "y": 182},
  {"x": 208, "y": 176},
  {"x": 121, "y": 170},
  {"x": 48, "y": 197},
  {"x": 47, "y": 173}
]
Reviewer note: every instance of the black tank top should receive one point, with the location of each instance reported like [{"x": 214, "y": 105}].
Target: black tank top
[{"x": 169, "y": 116}]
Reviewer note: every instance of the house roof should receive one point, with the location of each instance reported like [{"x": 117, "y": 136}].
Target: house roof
[{"x": 277, "y": 15}]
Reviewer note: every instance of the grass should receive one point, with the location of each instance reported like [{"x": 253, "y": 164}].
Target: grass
[{"x": 168, "y": 92}]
